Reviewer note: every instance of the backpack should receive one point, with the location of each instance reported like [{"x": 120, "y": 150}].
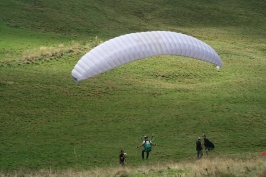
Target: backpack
[
  {"x": 148, "y": 147},
  {"x": 210, "y": 145}
]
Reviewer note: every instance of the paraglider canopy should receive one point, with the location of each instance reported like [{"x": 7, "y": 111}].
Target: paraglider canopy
[{"x": 135, "y": 46}]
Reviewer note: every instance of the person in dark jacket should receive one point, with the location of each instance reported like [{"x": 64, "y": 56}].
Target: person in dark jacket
[
  {"x": 199, "y": 148},
  {"x": 122, "y": 158},
  {"x": 207, "y": 144}
]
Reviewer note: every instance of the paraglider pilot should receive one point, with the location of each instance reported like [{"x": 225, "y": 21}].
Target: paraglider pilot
[{"x": 147, "y": 144}]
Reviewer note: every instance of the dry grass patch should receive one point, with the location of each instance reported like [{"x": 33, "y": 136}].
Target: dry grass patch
[
  {"x": 255, "y": 166},
  {"x": 45, "y": 53},
  {"x": 60, "y": 50}
]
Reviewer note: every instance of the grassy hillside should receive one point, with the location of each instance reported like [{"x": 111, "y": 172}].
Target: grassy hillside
[
  {"x": 110, "y": 18},
  {"x": 49, "y": 121}
]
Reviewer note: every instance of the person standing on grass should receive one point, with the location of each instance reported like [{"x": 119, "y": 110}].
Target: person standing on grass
[
  {"x": 199, "y": 148},
  {"x": 122, "y": 158},
  {"x": 147, "y": 144},
  {"x": 207, "y": 144}
]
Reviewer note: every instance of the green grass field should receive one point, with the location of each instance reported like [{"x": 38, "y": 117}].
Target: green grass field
[{"x": 49, "y": 121}]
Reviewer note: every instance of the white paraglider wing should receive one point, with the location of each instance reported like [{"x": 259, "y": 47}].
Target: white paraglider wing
[{"x": 134, "y": 46}]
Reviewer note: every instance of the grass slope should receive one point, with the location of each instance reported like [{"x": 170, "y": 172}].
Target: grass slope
[
  {"x": 48, "y": 121},
  {"x": 111, "y": 18}
]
